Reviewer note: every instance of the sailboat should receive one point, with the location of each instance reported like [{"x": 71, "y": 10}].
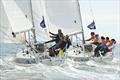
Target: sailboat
[
  {"x": 25, "y": 17},
  {"x": 23, "y": 22}
]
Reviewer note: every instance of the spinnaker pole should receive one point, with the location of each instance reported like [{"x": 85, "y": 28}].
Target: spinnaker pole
[
  {"x": 34, "y": 35},
  {"x": 81, "y": 22}
]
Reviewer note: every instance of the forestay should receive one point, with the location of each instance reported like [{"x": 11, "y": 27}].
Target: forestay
[
  {"x": 63, "y": 14},
  {"x": 16, "y": 17}
]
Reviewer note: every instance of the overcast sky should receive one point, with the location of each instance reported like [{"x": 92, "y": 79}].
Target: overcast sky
[{"x": 106, "y": 14}]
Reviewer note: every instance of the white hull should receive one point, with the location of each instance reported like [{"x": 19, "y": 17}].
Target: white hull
[
  {"x": 108, "y": 57},
  {"x": 24, "y": 58},
  {"x": 77, "y": 55},
  {"x": 82, "y": 58}
]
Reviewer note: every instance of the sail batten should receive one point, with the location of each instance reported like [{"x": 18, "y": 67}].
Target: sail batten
[{"x": 16, "y": 17}]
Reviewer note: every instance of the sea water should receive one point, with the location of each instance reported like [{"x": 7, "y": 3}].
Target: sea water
[{"x": 71, "y": 70}]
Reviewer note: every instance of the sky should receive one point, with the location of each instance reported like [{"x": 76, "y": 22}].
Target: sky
[{"x": 106, "y": 14}]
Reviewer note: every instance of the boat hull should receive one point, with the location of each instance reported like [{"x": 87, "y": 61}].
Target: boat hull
[
  {"x": 77, "y": 54},
  {"x": 24, "y": 58}
]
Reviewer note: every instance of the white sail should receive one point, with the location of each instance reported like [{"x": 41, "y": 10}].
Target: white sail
[
  {"x": 5, "y": 28},
  {"x": 38, "y": 13},
  {"x": 64, "y": 14},
  {"x": 16, "y": 17},
  {"x": 49, "y": 26}
]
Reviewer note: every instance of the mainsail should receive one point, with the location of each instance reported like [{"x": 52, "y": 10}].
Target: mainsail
[
  {"x": 16, "y": 17},
  {"x": 64, "y": 14}
]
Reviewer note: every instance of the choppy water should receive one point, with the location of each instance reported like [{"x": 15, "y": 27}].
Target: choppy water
[{"x": 89, "y": 70}]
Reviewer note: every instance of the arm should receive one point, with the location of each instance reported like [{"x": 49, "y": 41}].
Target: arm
[
  {"x": 89, "y": 39},
  {"x": 95, "y": 40},
  {"x": 53, "y": 36},
  {"x": 52, "y": 33}
]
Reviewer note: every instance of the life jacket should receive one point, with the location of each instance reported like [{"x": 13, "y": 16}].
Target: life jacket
[
  {"x": 106, "y": 44},
  {"x": 103, "y": 43},
  {"x": 110, "y": 45},
  {"x": 96, "y": 39}
]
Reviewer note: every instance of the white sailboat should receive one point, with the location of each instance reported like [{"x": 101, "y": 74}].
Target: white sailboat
[
  {"x": 18, "y": 20},
  {"x": 25, "y": 16}
]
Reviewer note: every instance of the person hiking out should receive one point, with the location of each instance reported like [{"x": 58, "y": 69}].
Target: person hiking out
[
  {"x": 96, "y": 40},
  {"x": 99, "y": 47},
  {"x": 108, "y": 46},
  {"x": 56, "y": 37},
  {"x": 64, "y": 44},
  {"x": 92, "y": 37}
]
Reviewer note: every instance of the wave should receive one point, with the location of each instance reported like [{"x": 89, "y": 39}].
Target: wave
[{"x": 71, "y": 70}]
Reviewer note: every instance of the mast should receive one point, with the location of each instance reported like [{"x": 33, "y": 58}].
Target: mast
[
  {"x": 34, "y": 35},
  {"x": 81, "y": 22}
]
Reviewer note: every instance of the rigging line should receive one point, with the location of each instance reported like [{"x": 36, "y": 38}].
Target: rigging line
[{"x": 91, "y": 10}]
